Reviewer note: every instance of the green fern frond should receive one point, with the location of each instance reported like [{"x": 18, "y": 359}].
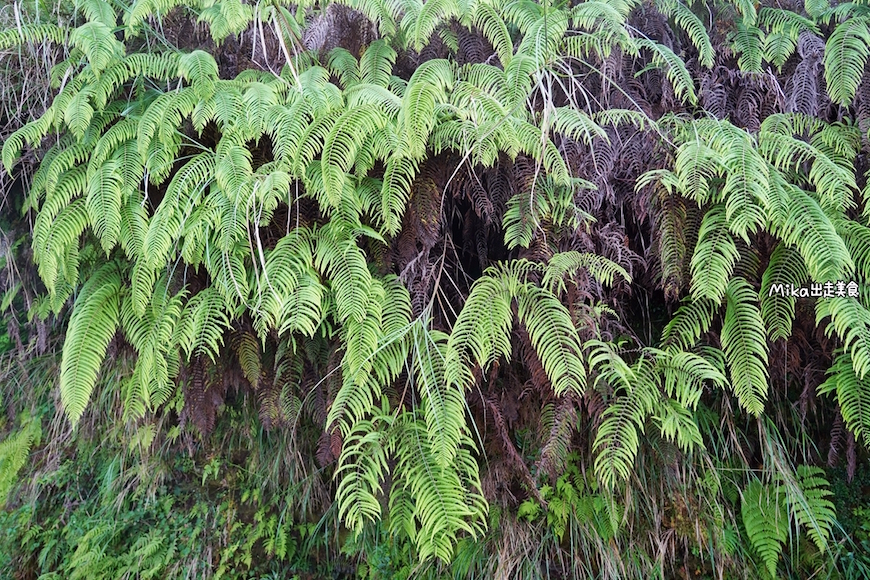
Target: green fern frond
[
  {"x": 350, "y": 131},
  {"x": 56, "y": 242},
  {"x": 686, "y": 374},
  {"x": 303, "y": 308},
  {"x": 851, "y": 321},
  {"x": 32, "y": 34},
  {"x": 482, "y": 329},
  {"x": 714, "y": 257},
  {"x": 134, "y": 225},
  {"x": 692, "y": 25},
  {"x": 747, "y": 41},
  {"x": 422, "y": 22},
  {"x": 766, "y": 521},
  {"x": 151, "y": 335},
  {"x": 554, "y": 339},
  {"x": 201, "y": 328},
  {"x": 69, "y": 186},
  {"x": 99, "y": 45},
  {"x": 852, "y": 395},
  {"x": 98, "y": 11},
  {"x": 182, "y": 196},
  {"x": 602, "y": 269},
  {"x": 360, "y": 391},
  {"x": 784, "y": 28},
  {"x": 810, "y": 505},
  {"x": 447, "y": 500},
  {"x": 487, "y": 19},
  {"x": 443, "y": 402},
  {"x": 227, "y": 18},
  {"x": 785, "y": 270},
  {"x": 343, "y": 263},
  {"x": 14, "y": 451},
  {"x": 233, "y": 172},
  {"x": 376, "y": 63},
  {"x": 689, "y": 323},
  {"x": 675, "y": 69},
  {"x": 745, "y": 346},
  {"x": 200, "y": 69},
  {"x": 104, "y": 204},
  {"x": 846, "y": 52},
  {"x": 811, "y": 230},
  {"x": 427, "y": 86},
  {"x": 617, "y": 441},
  {"x": 93, "y": 323},
  {"x": 856, "y": 236},
  {"x": 677, "y": 425},
  {"x": 746, "y": 185},
  {"x": 577, "y": 125},
  {"x": 362, "y": 468},
  {"x": 398, "y": 178}
]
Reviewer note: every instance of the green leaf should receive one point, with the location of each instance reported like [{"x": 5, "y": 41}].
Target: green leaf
[{"x": 93, "y": 323}]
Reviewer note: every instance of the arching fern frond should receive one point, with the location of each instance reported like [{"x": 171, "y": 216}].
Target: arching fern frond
[
  {"x": 851, "y": 321},
  {"x": 766, "y": 521},
  {"x": 92, "y": 325},
  {"x": 203, "y": 322},
  {"x": 846, "y": 52},
  {"x": 426, "y": 87},
  {"x": 617, "y": 441},
  {"x": 786, "y": 270},
  {"x": 745, "y": 346},
  {"x": 689, "y": 323},
  {"x": 852, "y": 393},
  {"x": 675, "y": 69},
  {"x": 443, "y": 401},
  {"x": 692, "y": 25},
  {"x": 714, "y": 257},
  {"x": 362, "y": 468},
  {"x": 602, "y": 269},
  {"x": 554, "y": 339},
  {"x": 104, "y": 204}
]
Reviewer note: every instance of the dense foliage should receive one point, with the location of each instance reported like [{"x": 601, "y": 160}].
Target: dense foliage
[{"x": 465, "y": 289}]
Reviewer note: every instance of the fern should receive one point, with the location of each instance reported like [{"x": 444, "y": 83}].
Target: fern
[
  {"x": 443, "y": 402},
  {"x": 14, "y": 452},
  {"x": 747, "y": 41},
  {"x": 686, "y": 375},
  {"x": 714, "y": 257},
  {"x": 446, "y": 499},
  {"x": 482, "y": 329},
  {"x": 99, "y": 45},
  {"x": 602, "y": 269},
  {"x": 617, "y": 441},
  {"x": 344, "y": 264},
  {"x": 425, "y": 88},
  {"x": 766, "y": 521},
  {"x": 362, "y": 467},
  {"x": 689, "y": 323},
  {"x": 152, "y": 336},
  {"x": 785, "y": 270},
  {"x": 202, "y": 324},
  {"x": 104, "y": 204},
  {"x": 852, "y": 393},
  {"x": 553, "y": 337},
  {"x": 675, "y": 69},
  {"x": 745, "y": 347},
  {"x": 810, "y": 505},
  {"x": 851, "y": 321},
  {"x": 94, "y": 320},
  {"x": 493, "y": 27},
  {"x": 692, "y": 25},
  {"x": 846, "y": 52}
]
